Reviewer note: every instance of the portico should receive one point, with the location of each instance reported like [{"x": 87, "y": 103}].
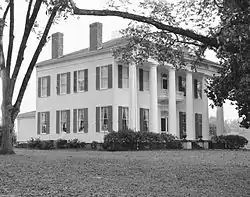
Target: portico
[{"x": 172, "y": 109}]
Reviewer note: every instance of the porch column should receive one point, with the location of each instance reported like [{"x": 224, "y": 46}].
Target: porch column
[
  {"x": 205, "y": 119},
  {"x": 189, "y": 107},
  {"x": 220, "y": 121},
  {"x": 133, "y": 97},
  {"x": 153, "y": 117},
  {"x": 172, "y": 102}
]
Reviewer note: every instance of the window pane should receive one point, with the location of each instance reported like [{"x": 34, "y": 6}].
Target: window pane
[
  {"x": 44, "y": 86},
  {"x": 63, "y": 87},
  {"x": 104, "y": 83},
  {"x": 104, "y": 71}
]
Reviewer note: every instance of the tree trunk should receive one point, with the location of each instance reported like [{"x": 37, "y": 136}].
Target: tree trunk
[{"x": 7, "y": 120}]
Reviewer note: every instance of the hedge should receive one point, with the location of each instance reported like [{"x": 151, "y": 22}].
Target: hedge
[
  {"x": 124, "y": 140},
  {"x": 229, "y": 141}
]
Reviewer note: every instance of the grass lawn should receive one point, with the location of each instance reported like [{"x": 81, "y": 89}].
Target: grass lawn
[{"x": 143, "y": 173}]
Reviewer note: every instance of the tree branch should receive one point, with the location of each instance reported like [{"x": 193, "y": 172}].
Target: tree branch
[
  {"x": 11, "y": 38},
  {"x": 6, "y": 11},
  {"x": 33, "y": 62},
  {"x": 27, "y": 30},
  {"x": 177, "y": 30},
  {"x": 28, "y": 11}
]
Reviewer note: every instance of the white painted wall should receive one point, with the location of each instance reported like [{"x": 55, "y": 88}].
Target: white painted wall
[{"x": 26, "y": 129}]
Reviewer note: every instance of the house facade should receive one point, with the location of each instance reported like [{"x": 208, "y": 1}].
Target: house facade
[{"x": 88, "y": 93}]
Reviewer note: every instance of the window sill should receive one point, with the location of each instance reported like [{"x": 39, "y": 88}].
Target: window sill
[{"x": 43, "y": 134}]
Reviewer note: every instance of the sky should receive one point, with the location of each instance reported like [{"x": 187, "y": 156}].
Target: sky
[{"x": 76, "y": 37}]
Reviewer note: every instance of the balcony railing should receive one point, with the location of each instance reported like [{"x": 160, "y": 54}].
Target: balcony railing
[{"x": 163, "y": 95}]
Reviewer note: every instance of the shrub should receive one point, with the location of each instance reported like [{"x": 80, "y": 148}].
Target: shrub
[
  {"x": 47, "y": 144},
  {"x": 75, "y": 143},
  {"x": 94, "y": 145},
  {"x": 35, "y": 143},
  {"x": 230, "y": 141},
  {"x": 82, "y": 144},
  {"x": 171, "y": 141},
  {"x": 61, "y": 143}
]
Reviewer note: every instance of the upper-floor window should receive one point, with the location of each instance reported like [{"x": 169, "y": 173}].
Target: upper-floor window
[
  {"x": 143, "y": 80},
  {"x": 44, "y": 86},
  {"x": 81, "y": 80},
  {"x": 104, "y": 77},
  {"x": 43, "y": 121},
  {"x": 182, "y": 83},
  {"x": 197, "y": 89},
  {"x": 164, "y": 79},
  {"x": 63, "y": 83},
  {"x": 123, "y": 76}
]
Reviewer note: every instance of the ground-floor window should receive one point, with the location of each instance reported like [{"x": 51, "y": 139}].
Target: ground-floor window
[
  {"x": 63, "y": 121},
  {"x": 182, "y": 121},
  {"x": 123, "y": 118},
  {"x": 43, "y": 122},
  {"x": 144, "y": 119},
  {"x": 198, "y": 125},
  {"x": 164, "y": 124},
  {"x": 104, "y": 118}
]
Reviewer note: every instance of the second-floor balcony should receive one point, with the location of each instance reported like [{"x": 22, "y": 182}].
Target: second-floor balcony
[{"x": 163, "y": 95}]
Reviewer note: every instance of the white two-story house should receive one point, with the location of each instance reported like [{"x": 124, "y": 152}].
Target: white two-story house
[{"x": 88, "y": 93}]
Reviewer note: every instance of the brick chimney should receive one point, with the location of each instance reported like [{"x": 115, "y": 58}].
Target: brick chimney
[
  {"x": 95, "y": 36},
  {"x": 57, "y": 45}
]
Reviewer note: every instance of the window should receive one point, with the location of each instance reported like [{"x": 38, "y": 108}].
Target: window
[
  {"x": 164, "y": 78},
  {"x": 146, "y": 80},
  {"x": 182, "y": 84},
  {"x": 44, "y": 86},
  {"x": 80, "y": 81},
  {"x": 44, "y": 122},
  {"x": 104, "y": 118},
  {"x": 198, "y": 125},
  {"x": 125, "y": 77},
  {"x": 197, "y": 89},
  {"x": 63, "y": 83},
  {"x": 80, "y": 120},
  {"x": 104, "y": 77},
  {"x": 63, "y": 121},
  {"x": 123, "y": 118},
  {"x": 144, "y": 119},
  {"x": 182, "y": 121}
]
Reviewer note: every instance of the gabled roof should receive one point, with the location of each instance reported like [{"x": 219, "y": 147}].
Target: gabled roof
[
  {"x": 31, "y": 114},
  {"x": 106, "y": 47}
]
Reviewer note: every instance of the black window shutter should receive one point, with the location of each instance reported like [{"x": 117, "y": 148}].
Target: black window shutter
[
  {"x": 57, "y": 122},
  {"x": 119, "y": 76},
  {"x": 75, "y": 81},
  {"x": 48, "y": 85},
  {"x": 110, "y": 119},
  {"x": 141, "y": 120},
  {"x": 48, "y": 122},
  {"x": 195, "y": 88},
  {"x": 39, "y": 87},
  {"x": 86, "y": 79},
  {"x": 141, "y": 79},
  {"x": 119, "y": 118},
  {"x": 75, "y": 121},
  {"x": 38, "y": 123},
  {"x": 97, "y": 119},
  {"x": 110, "y": 76},
  {"x": 68, "y": 83},
  {"x": 58, "y": 84},
  {"x": 97, "y": 78},
  {"x": 86, "y": 124}
]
